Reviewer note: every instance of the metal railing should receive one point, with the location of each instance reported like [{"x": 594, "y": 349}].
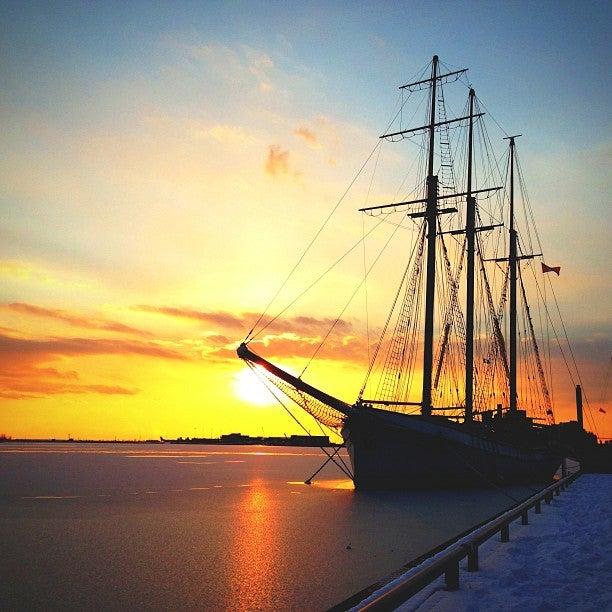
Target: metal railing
[{"x": 447, "y": 561}]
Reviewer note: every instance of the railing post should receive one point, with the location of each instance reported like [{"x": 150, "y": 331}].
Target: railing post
[
  {"x": 505, "y": 533},
  {"x": 472, "y": 558},
  {"x": 538, "y": 507},
  {"x": 557, "y": 491},
  {"x": 451, "y": 576},
  {"x": 525, "y": 518},
  {"x": 547, "y": 498}
]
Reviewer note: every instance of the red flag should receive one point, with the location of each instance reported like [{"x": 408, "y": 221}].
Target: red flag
[{"x": 555, "y": 269}]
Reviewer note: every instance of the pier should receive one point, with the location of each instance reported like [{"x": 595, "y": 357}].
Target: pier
[{"x": 549, "y": 552}]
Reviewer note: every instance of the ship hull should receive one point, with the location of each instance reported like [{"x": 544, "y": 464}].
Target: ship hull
[{"x": 390, "y": 450}]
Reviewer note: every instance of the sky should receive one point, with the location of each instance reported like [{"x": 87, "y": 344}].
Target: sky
[{"x": 164, "y": 164}]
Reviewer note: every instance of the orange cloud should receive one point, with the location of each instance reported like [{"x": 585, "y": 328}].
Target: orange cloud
[
  {"x": 222, "y": 319},
  {"x": 38, "y": 387},
  {"x": 75, "y": 320},
  {"x": 307, "y": 136},
  {"x": 303, "y": 325},
  {"x": 337, "y": 347},
  {"x": 16, "y": 348},
  {"x": 24, "y": 371},
  {"x": 277, "y": 162}
]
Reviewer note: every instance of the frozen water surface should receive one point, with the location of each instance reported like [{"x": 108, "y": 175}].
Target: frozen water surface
[{"x": 116, "y": 526}]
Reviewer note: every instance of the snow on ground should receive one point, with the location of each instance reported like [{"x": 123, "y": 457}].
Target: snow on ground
[{"x": 562, "y": 560}]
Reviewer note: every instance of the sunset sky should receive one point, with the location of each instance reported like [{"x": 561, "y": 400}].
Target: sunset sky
[{"x": 164, "y": 164}]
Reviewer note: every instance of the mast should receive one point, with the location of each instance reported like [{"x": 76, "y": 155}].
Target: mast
[
  {"x": 470, "y": 232},
  {"x": 431, "y": 217},
  {"x": 513, "y": 262},
  {"x": 513, "y": 276},
  {"x": 430, "y": 214}
]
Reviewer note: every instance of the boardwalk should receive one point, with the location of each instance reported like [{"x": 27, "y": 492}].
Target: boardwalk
[{"x": 562, "y": 560}]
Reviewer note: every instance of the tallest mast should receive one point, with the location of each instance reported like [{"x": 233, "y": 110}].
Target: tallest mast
[
  {"x": 431, "y": 211},
  {"x": 431, "y": 217},
  {"x": 513, "y": 276},
  {"x": 470, "y": 232}
]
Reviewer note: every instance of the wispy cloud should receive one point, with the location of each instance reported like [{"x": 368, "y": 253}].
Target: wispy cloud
[
  {"x": 74, "y": 319},
  {"x": 36, "y": 386},
  {"x": 277, "y": 162},
  {"x": 308, "y": 136},
  {"x": 287, "y": 337},
  {"x": 25, "y": 370},
  {"x": 324, "y": 137},
  {"x": 260, "y": 64},
  {"x": 300, "y": 324},
  {"x": 236, "y": 65},
  {"x": 224, "y": 320},
  {"x": 50, "y": 348},
  {"x": 289, "y": 345}
]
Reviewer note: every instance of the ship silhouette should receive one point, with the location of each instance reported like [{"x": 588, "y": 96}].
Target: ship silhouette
[{"x": 484, "y": 414}]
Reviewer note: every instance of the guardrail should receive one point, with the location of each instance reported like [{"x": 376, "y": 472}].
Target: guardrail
[{"x": 447, "y": 561}]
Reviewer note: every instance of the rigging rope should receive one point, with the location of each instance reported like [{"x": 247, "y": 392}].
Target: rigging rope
[
  {"x": 396, "y": 353},
  {"x": 397, "y": 294},
  {"x": 365, "y": 285},
  {"x": 250, "y": 335},
  {"x": 329, "y": 269},
  {"x": 329, "y": 331},
  {"x": 544, "y": 387},
  {"x": 528, "y": 206}
]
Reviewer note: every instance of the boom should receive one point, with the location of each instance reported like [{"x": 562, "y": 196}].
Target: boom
[{"x": 293, "y": 381}]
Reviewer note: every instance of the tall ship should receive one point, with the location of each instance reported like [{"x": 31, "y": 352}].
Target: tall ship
[{"x": 456, "y": 389}]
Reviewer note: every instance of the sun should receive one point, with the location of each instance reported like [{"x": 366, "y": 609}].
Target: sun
[{"x": 251, "y": 389}]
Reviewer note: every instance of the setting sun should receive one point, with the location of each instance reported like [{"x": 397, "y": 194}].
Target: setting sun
[{"x": 251, "y": 389}]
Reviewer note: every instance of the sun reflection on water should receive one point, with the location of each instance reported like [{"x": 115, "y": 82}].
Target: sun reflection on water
[
  {"x": 337, "y": 484},
  {"x": 255, "y": 548}
]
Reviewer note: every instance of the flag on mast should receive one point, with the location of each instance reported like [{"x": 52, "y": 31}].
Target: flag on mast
[{"x": 555, "y": 269}]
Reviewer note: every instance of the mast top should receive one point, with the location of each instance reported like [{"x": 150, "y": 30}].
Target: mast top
[
  {"x": 417, "y": 85},
  {"x": 511, "y": 138}
]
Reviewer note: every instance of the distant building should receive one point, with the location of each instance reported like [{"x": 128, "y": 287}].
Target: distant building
[
  {"x": 235, "y": 438},
  {"x": 309, "y": 440},
  {"x": 241, "y": 439}
]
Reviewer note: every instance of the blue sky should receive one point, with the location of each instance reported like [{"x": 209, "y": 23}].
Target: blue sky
[{"x": 551, "y": 56}]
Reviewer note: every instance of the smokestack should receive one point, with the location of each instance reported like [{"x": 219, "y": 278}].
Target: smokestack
[{"x": 579, "y": 406}]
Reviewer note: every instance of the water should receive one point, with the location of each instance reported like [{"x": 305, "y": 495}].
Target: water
[{"x": 117, "y": 526}]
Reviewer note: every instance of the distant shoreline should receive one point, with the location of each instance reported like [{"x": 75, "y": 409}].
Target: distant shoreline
[
  {"x": 224, "y": 440},
  {"x": 77, "y": 441}
]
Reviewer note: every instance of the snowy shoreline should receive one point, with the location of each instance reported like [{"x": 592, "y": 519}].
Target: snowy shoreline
[{"x": 562, "y": 560}]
